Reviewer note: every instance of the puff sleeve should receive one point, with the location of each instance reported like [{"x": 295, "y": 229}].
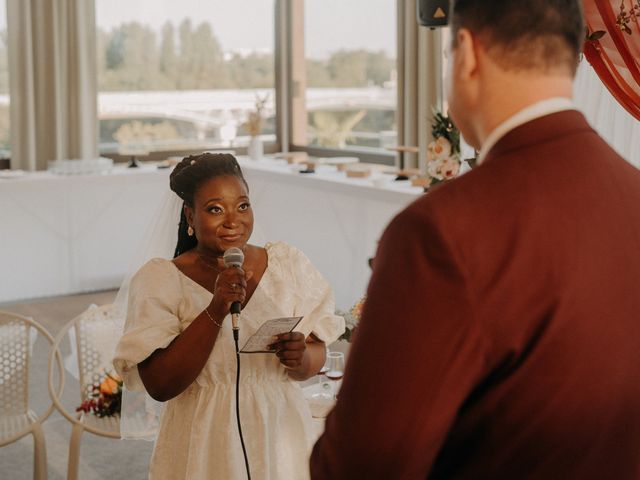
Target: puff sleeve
[
  {"x": 152, "y": 319},
  {"x": 315, "y": 299}
]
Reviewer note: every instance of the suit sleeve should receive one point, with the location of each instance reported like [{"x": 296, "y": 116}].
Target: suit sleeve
[{"x": 416, "y": 356}]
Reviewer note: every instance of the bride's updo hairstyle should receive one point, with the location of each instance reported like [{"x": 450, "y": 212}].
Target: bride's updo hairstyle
[{"x": 186, "y": 178}]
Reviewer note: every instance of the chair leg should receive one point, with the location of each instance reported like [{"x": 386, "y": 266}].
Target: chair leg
[
  {"x": 39, "y": 453},
  {"x": 74, "y": 452}
]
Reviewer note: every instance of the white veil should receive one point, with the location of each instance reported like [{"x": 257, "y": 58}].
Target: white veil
[{"x": 140, "y": 414}]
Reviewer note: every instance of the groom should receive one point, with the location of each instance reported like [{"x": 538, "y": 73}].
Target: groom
[{"x": 500, "y": 338}]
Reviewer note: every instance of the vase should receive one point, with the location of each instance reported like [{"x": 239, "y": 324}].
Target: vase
[{"x": 256, "y": 148}]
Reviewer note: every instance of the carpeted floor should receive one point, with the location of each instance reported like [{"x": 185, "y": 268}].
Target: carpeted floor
[{"x": 100, "y": 458}]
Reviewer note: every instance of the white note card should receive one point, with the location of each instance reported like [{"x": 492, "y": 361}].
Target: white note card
[{"x": 259, "y": 342}]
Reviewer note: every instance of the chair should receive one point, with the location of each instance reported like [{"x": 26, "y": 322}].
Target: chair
[
  {"x": 96, "y": 333},
  {"x": 16, "y": 418}
]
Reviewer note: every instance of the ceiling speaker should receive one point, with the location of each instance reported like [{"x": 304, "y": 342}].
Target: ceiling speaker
[{"x": 433, "y": 13}]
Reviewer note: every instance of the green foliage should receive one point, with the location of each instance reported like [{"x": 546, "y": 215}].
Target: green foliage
[
  {"x": 132, "y": 56},
  {"x": 254, "y": 70},
  {"x": 350, "y": 68},
  {"x": 443, "y": 126}
]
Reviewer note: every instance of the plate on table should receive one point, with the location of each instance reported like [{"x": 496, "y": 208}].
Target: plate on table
[{"x": 320, "y": 398}]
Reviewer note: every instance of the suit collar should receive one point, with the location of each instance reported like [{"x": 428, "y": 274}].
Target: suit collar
[
  {"x": 540, "y": 130},
  {"x": 527, "y": 114}
]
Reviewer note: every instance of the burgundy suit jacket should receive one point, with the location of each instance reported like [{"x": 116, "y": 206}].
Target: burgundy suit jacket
[{"x": 501, "y": 334}]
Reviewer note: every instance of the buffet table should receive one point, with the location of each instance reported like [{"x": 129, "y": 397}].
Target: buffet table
[{"x": 68, "y": 234}]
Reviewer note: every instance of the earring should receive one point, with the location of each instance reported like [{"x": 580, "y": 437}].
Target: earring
[{"x": 190, "y": 231}]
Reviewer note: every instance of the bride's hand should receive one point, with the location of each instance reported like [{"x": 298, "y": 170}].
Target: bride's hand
[
  {"x": 290, "y": 349},
  {"x": 230, "y": 286}
]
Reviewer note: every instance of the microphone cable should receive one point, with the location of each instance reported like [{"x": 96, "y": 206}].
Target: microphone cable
[
  {"x": 234, "y": 257},
  {"x": 244, "y": 450}
]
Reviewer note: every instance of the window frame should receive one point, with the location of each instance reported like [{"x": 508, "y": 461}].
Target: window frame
[
  {"x": 413, "y": 43},
  {"x": 270, "y": 147},
  {"x": 290, "y": 87},
  {"x": 293, "y": 22}
]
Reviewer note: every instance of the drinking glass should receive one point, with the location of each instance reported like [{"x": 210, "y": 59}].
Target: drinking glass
[
  {"x": 324, "y": 385},
  {"x": 323, "y": 399},
  {"x": 335, "y": 361}
]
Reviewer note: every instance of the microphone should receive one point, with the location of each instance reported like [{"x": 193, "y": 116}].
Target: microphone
[{"x": 234, "y": 257}]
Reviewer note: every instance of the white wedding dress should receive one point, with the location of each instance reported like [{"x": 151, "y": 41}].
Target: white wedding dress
[{"x": 198, "y": 437}]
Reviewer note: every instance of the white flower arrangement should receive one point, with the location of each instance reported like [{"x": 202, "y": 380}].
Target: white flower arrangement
[{"x": 443, "y": 154}]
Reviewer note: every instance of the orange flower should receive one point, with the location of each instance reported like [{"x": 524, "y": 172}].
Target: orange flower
[{"x": 110, "y": 384}]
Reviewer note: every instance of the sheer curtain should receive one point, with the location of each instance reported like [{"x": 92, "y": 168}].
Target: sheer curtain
[
  {"x": 53, "y": 83},
  {"x": 606, "y": 115}
]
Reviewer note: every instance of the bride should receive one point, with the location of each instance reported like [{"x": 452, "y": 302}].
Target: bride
[{"x": 177, "y": 343}]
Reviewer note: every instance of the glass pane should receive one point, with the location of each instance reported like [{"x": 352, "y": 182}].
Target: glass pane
[
  {"x": 177, "y": 75},
  {"x": 5, "y": 138},
  {"x": 350, "y": 49}
]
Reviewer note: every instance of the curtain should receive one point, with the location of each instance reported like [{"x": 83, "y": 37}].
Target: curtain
[
  {"x": 52, "y": 81},
  {"x": 407, "y": 80},
  {"x": 419, "y": 82},
  {"x": 613, "y": 48},
  {"x": 617, "y": 126}
]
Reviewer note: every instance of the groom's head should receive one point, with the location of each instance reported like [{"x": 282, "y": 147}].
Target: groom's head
[
  {"x": 536, "y": 35},
  {"x": 506, "y": 55}
]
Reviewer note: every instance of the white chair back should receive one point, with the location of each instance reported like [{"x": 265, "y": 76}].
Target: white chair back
[
  {"x": 14, "y": 365},
  {"x": 17, "y": 335},
  {"x": 97, "y": 331},
  {"x": 94, "y": 335}
]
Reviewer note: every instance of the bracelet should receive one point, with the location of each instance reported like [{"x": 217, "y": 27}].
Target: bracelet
[{"x": 212, "y": 319}]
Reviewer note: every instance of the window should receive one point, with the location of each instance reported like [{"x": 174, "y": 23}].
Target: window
[
  {"x": 350, "y": 57},
  {"x": 4, "y": 83},
  {"x": 183, "y": 75}
]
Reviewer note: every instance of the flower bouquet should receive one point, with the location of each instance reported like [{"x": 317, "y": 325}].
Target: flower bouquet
[
  {"x": 351, "y": 319},
  {"x": 105, "y": 398},
  {"x": 443, "y": 154}
]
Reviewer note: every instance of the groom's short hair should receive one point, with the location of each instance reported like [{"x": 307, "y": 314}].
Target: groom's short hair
[{"x": 541, "y": 35}]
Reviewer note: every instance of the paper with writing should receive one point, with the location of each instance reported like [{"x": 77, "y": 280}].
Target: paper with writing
[{"x": 259, "y": 342}]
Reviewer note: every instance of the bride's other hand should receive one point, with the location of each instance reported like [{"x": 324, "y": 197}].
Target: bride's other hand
[{"x": 290, "y": 349}]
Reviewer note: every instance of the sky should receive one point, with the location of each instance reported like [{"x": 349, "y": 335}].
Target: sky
[{"x": 330, "y": 25}]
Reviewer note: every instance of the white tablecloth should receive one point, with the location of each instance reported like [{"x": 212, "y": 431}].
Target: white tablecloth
[
  {"x": 336, "y": 221},
  {"x": 68, "y": 234}
]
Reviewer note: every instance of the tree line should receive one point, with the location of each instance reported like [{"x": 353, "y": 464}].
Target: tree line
[{"x": 133, "y": 56}]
